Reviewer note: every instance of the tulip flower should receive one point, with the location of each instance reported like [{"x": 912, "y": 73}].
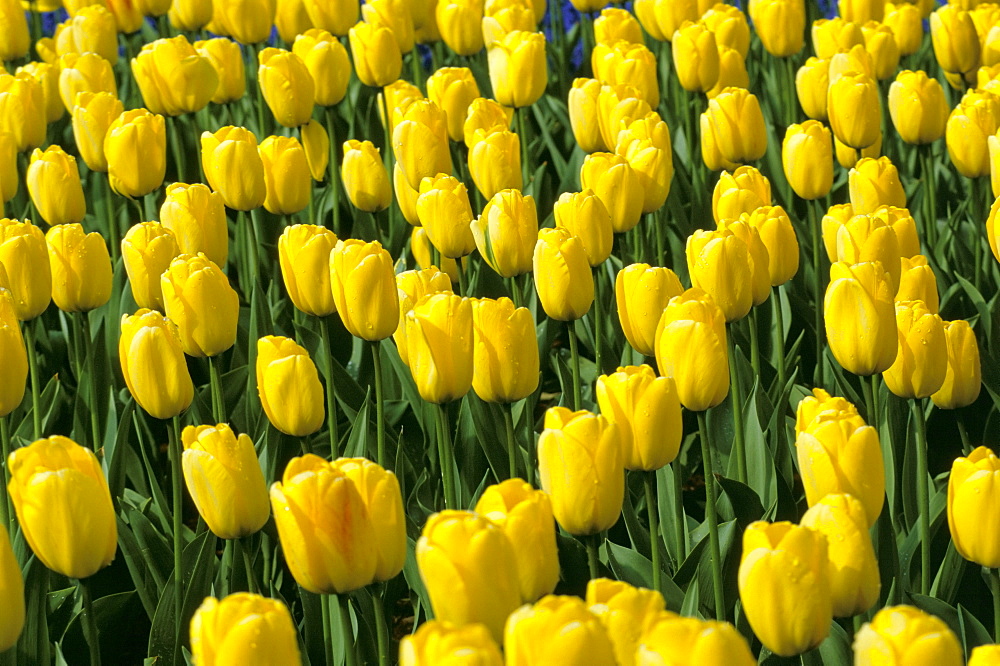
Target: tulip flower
[
  {"x": 922, "y": 359},
  {"x": 173, "y": 77},
  {"x": 316, "y": 143},
  {"x": 642, "y": 292},
  {"x": 90, "y": 29},
  {"x": 689, "y": 641},
  {"x": 835, "y": 35},
  {"x": 439, "y": 346},
  {"x": 696, "y": 57},
  {"x": 411, "y": 287},
  {"x": 525, "y": 516},
  {"x": 495, "y": 162},
  {"x": 63, "y": 506},
  {"x": 304, "y": 256},
  {"x": 917, "y": 107},
  {"x": 15, "y": 356},
  {"x": 197, "y": 218},
  {"x": 326, "y": 59},
  {"x": 780, "y": 24},
  {"x": 583, "y": 215},
  {"x": 904, "y": 635},
  {"x": 153, "y": 364},
  {"x": 853, "y": 104},
  {"x": 453, "y": 89},
  {"x": 198, "y": 298},
  {"x": 784, "y": 582},
  {"x": 364, "y": 176},
  {"x": 580, "y": 463},
  {"x": 22, "y": 110},
  {"x": 93, "y": 115},
  {"x": 506, "y": 232},
  {"x": 972, "y": 491},
  {"x": 816, "y": 408},
  {"x": 738, "y": 125},
  {"x": 847, "y": 157},
  {"x": 617, "y": 185},
  {"x": 247, "y": 21},
  {"x": 287, "y": 86},
  {"x": 645, "y": 145},
  {"x": 563, "y": 279},
  {"x": 364, "y": 289},
  {"x": 437, "y": 642},
  {"x": 397, "y": 96},
  {"x": 54, "y": 185},
  {"x": 617, "y": 108},
  {"x": 469, "y": 568},
  {"x": 554, "y": 629},
  {"x": 287, "y": 180},
  {"x": 963, "y": 377},
  {"x": 327, "y": 534},
  {"x": 47, "y": 76},
  {"x": 630, "y": 63},
  {"x": 917, "y": 282},
  {"x": 12, "y": 588},
  {"x": 854, "y": 574},
  {"x": 486, "y": 115},
  {"x": 865, "y": 238},
  {"x": 17, "y": 39},
  {"x": 760, "y": 275},
  {"x": 730, "y": 27},
  {"x": 972, "y": 121},
  {"x": 518, "y": 72},
  {"x": 626, "y": 612},
  {"x": 860, "y": 320},
  {"x": 807, "y": 158},
  {"x": 874, "y": 183},
  {"x": 243, "y": 628},
  {"x": 225, "y": 480},
  {"x": 501, "y": 16},
  {"x": 420, "y": 142},
  {"x": 445, "y": 212},
  {"x": 376, "y": 55},
  {"x": 190, "y": 15},
  {"x": 811, "y": 83},
  {"x": 80, "y": 267},
  {"x": 903, "y": 225},
  {"x": 24, "y": 256},
  {"x": 136, "y": 149},
  {"x": 647, "y": 412},
  {"x": 742, "y": 191},
  {"x": 233, "y": 167},
  {"x": 906, "y": 23},
  {"x": 460, "y": 24},
  {"x": 336, "y": 16},
  {"x": 395, "y": 16},
  {"x": 505, "y": 357},
  {"x": 778, "y": 236},
  {"x": 956, "y": 44},
  {"x": 78, "y": 73},
  {"x": 289, "y": 387},
  {"x": 406, "y": 196},
  {"x": 720, "y": 263},
  {"x": 227, "y": 60},
  {"x": 583, "y": 115}
]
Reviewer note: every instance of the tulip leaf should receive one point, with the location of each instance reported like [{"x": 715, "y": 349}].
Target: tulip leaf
[
  {"x": 946, "y": 612},
  {"x": 739, "y": 501},
  {"x": 886, "y": 553},
  {"x": 949, "y": 575},
  {"x": 145, "y": 583},
  {"x": 972, "y": 632},
  {"x": 360, "y": 440},
  {"x": 487, "y": 422},
  {"x": 33, "y": 646},
  {"x": 110, "y": 612},
  {"x": 985, "y": 323},
  {"x": 411, "y": 573},
  {"x": 117, "y": 450},
  {"x": 835, "y": 648},
  {"x": 635, "y": 569}
]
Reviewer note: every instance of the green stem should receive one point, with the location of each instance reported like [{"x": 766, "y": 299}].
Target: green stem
[
  {"x": 381, "y": 628},
  {"x": 522, "y": 134},
  {"x": 649, "y": 481},
  {"x": 463, "y": 285},
  {"x": 379, "y": 404},
  {"x": 680, "y": 519},
  {"x": 261, "y": 128},
  {"x": 754, "y": 342},
  {"x": 347, "y": 631},
  {"x": 593, "y": 556},
  {"x": 175, "y": 146},
  {"x": 508, "y": 419},
  {"x": 736, "y": 395},
  {"x": 178, "y": 523},
  {"x": 112, "y": 220},
  {"x": 922, "y": 496},
  {"x": 868, "y": 390},
  {"x": 447, "y": 458},
  {"x": 779, "y": 339},
  {"x": 817, "y": 228},
  {"x": 29, "y": 343},
  {"x": 515, "y": 294},
  {"x": 218, "y": 404},
  {"x": 247, "y": 565},
  {"x": 90, "y": 624},
  {"x": 324, "y": 602},
  {"x": 978, "y": 224},
  {"x": 5, "y": 505},
  {"x": 387, "y": 131},
  {"x": 95, "y": 384},
  {"x": 416, "y": 68},
  {"x": 331, "y": 389},
  {"x": 228, "y": 560},
  {"x": 995, "y": 588},
  {"x": 712, "y": 517},
  {"x": 597, "y": 320},
  {"x": 964, "y": 435},
  {"x": 930, "y": 195},
  {"x": 334, "y": 182},
  {"x": 574, "y": 353}
]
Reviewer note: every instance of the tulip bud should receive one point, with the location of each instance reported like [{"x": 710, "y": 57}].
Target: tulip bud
[
  {"x": 704, "y": 641},
  {"x": 22, "y": 110},
  {"x": 406, "y": 196},
  {"x": 618, "y": 107},
  {"x": 525, "y": 516},
  {"x": 581, "y": 468},
  {"x": 617, "y": 185},
  {"x": 190, "y": 15},
  {"x": 326, "y": 531},
  {"x": 984, "y": 655},
  {"x": 233, "y": 167},
  {"x": 563, "y": 279},
  {"x": 835, "y": 35},
  {"x": 807, "y": 158},
  {"x": 91, "y": 29},
  {"x": 289, "y": 387},
  {"x": 505, "y": 358},
  {"x": 78, "y": 73},
  {"x": 364, "y": 289},
  {"x": 506, "y": 232},
  {"x": 628, "y": 63},
  {"x": 287, "y": 86},
  {"x": 903, "y": 225},
  {"x": 376, "y": 55},
  {"x": 730, "y": 27},
  {"x": 47, "y": 76},
  {"x": 411, "y": 287},
  {"x": 811, "y": 84},
  {"x": 518, "y": 72},
  {"x": 906, "y": 23},
  {"x": 973, "y": 486},
  {"x": 784, "y": 582},
  {"x": 904, "y": 634},
  {"x": 495, "y": 162},
  {"x": 860, "y": 317},
  {"x": 720, "y": 263},
  {"x": 11, "y": 583},
  {"x": 445, "y": 213},
  {"x": 738, "y": 125},
  {"x": 227, "y": 60},
  {"x": 316, "y": 143},
  {"x": 436, "y": 642},
  {"x": 645, "y": 145},
  {"x": 647, "y": 412},
  {"x": 460, "y": 24},
  {"x": 225, "y": 480},
  {"x": 742, "y": 191},
  {"x": 976, "y": 117},
  {"x": 147, "y": 250},
  {"x": 243, "y": 628},
  {"x": 626, "y": 613},
  {"x": 93, "y": 115},
  {"x": 198, "y": 298},
  {"x": 503, "y": 16},
  {"x": 394, "y": 15},
  {"x": 15, "y": 371},
  {"x": 335, "y": 16},
  {"x": 921, "y": 360},
  {"x": 874, "y": 183},
  {"x": 732, "y": 72},
  {"x": 584, "y": 115},
  {"x": 616, "y": 24},
  {"x": 853, "y": 104},
  {"x": 854, "y": 574},
  {"x": 453, "y": 89},
  {"x": 133, "y": 173},
  {"x": 582, "y": 214},
  {"x": 80, "y": 267},
  {"x": 956, "y": 44},
  {"x": 364, "y": 176},
  {"x": 63, "y": 506},
  {"x": 54, "y": 185},
  {"x": 286, "y": 175},
  {"x": 821, "y": 406},
  {"x": 917, "y": 283},
  {"x": 870, "y": 238},
  {"x": 15, "y": 45},
  {"x": 880, "y": 43},
  {"x": 439, "y": 346},
  {"x": 963, "y": 377},
  {"x": 554, "y": 629},
  {"x": 420, "y": 142},
  {"x": 469, "y": 568},
  {"x": 488, "y": 116},
  {"x": 778, "y": 236},
  {"x": 247, "y": 21},
  {"x": 326, "y": 60},
  {"x": 837, "y": 216},
  {"x": 696, "y": 57},
  {"x": 918, "y": 108},
  {"x": 642, "y": 292},
  {"x": 197, "y": 218},
  {"x": 173, "y": 77},
  {"x": 861, "y": 11},
  {"x": 780, "y": 24},
  {"x": 24, "y": 256}
]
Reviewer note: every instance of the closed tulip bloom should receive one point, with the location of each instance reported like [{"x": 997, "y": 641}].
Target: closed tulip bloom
[
  {"x": 173, "y": 77},
  {"x": 584, "y": 115},
  {"x": 580, "y": 463},
  {"x": 376, "y": 55},
  {"x": 501, "y": 16},
  {"x": 91, "y": 29},
  {"x": 136, "y": 149},
  {"x": 437, "y": 643},
  {"x": 63, "y": 505},
  {"x": 628, "y": 63},
  {"x": 720, "y": 263},
  {"x": 853, "y": 104},
  {"x": 820, "y": 406},
  {"x": 857, "y": 61},
  {"x": 626, "y": 612},
  {"x": 906, "y": 23},
  {"x": 453, "y": 89},
  {"x": 24, "y": 256},
  {"x": 860, "y": 317},
  {"x": 147, "y": 250},
  {"x": 976, "y": 117},
  {"x": 505, "y": 358},
  {"x": 327, "y": 535},
  {"x": 80, "y": 266},
  {"x": 906, "y": 635},
  {"x": 243, "y": 628},
  {"x": 92, "y": 116},
  {"x": 12, "y": 588},
  {"x": 445, "y": 213},
  {"x": 248, "y": 21},
  {"x": 17, "y": 39},
  {"x": 334, "y": 16},
  {"x": 738, "y": 124},
  {"x": 984, "y": 655},
  {"x": 190, "y": 15},
  {"x": 196, "y": 216},
  {"x": 525, "y": 516},
  {"x": 645, "y": 144},
  {"x": 696, "y": 57},
  {"x": 881, "y": 44},
  {"x": 495, "y": 162},
  {"x": 905, "y": 227},
  {"x": 286, "y": 175},
  {"x": 838, "y": 453},
  {"x": 289, "y": 387},
  {"x": 732, "y": 72},
  {"x": 439, "y": 346},
  {"x": 780, "y": 24},
  {"x": 743, "y": 191},
  {"x": 364, "y": 176},
  {"x": 128, "y": 15},
  {"x": 917, "y": 282},
  {"x": 641, "y": 293},
  {"x": 835, "y": 35},
  {"x": 420, "y": 142},
  {"x": 688, "y": 641},
  {"x": 619, "y": 24},
  {"x": 778, "y": 236},
  {"x": 22, "y": 109},
  {"x": 854, "y": 574},
  {"x": 730, "y": 27},
  {"x": 364, "y": 289},
  {"x": 617, "y": 185},
  {"x": 394, "y": 15},
  {"x": 710, "y": 153},
  {"x": 225, "y": 480},
  {"x": 87, "y": 72},
  {"x": 760, "y": 285},
  {"x": 227, "y": 60},
  {"x": 617, "y": 107},
  {"x": 922, "y": 358},
  {"x": 517, "y": 66},
  {"x": 556, "y": 629},
  {"x": 316, "y": 143},
  {"x": 663, "y": 19},
  {"x": 918, "y": 108},
  {"x": 784, "y": 582},
  {"x": 866, "y": 238},
  {"x": 287, "y": 86},
  {"x": 47, "y": 76},
  {"x": 406, "y": 196},
  {"x": 963, "y": 378},
  {"x": 54, "y": 185},
  {"x": 398, "y": 96},
  {"x": 15, "y": 372},
  {"x": 811, "y": 84},
  {"x": 807, "y": 158},
  {"x": 648, "y": 414},
  {"x": 469, "y": 568},
  {"x": 326, "y": 59},
  {"x": 198, "y": 298},
  {"x": 956, "y": 43},
  {"x": 584, "y": 215},
  {"x": 506, "y": 232},
  {"x": 460, "y": 24},
  {"x": 861, "y": 11},
  {"x": 874, "y": 183},
  {"x": 233, "y": 167},
  {"x": 411, "y": 287},
  {"x": 563, "y": 278},
  {"x": 973, "y": 486}
]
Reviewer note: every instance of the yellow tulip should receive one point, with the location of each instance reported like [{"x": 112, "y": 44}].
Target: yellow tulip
[
  {"x": 647, "y": 412},
  {"x": 191, "y": 15},
  {"x": 326, "y": 59},
  {"x": 460, "y": 24},
  {"x": 811, "y": 84},
  {"x": 518, "y": 71},
  {"x": 453, "y": 89},
  {"x": 198, "y": 298},
  {"x": 22, "y": 109},
  {"x": 420, "y": 142},
  {"x": 742, "y": 191},
  {"x": 976, "y": 118},
  {"x": 626, "y": 612},
  {"x": 781, "y": 25},
  {"x": 563, "y": 279},
  {"x": 147, "y": 250},
  {"x": 732, "y": 72},
  {"x": 807, "y": 158},
  {"x": 439, "y": 346},
  {"x": 628, "y": 63},
  {"x": 289, "y": 387},
  {"x": 738, "y": 125},
  {"x": 906, "y": 23},
  {"x": 696, "y": 57},
  {"x": 917, "y": 107},
  {"x": 820, "y": 406},
  {"x": 835, "y": 35},
  {"x": 247, "y": 21},
  {"x": 984, "y": 655},
  {"x": 922, "y": 356},
  {"x": 956, "y": 44},
  {"x": 227, "y": 60},
  {"x": 688, "y": 641},
  {"x": 316, "y": 143},
  {"x": 874, "y": 183},
  {"x": 136, "y": 149},
  {"x": 334, "y": 16},
  {"x": 365, "y": 179},
  {"x": 376, "y": 55},
  {"x": 584, "y": 115},
  {"x": 778, "y": 236},
  {"x": 406, "y": 196},
  {"x": 445, "y": 213},
  {"x": 495, "y": 162},
  {"x": 54, "y": 185},
  {"x": 364, "y": 289},
  {"x": 87, "y": 72},
  {"x": 15, "y": 372},
  {"x": 906, "y": 635},
  {"x": 12, "y": 588},
  {"x": 917, "y": 282},
  {"x": 91, "y": 29},
  {"x": 47, "y": 76},
  {"x": 93, "y": 115},
  {"x": 582, "y": 214},
  {"x": 287, "y": 180},
  {"x": 287, "y": 86},
  {"x": 394, "y": 15},
  {"x": 963, "y": 378},
  {"x": 436, "y": 642},
  {"x": 233, "y": 167},
  {"x": 720, "y": 263},
  {"x": 642, "y": 292},
  {"x": 411, "y": 287},
  {"x": 556, "y": 629},
  {"x": 730, "y": 26},
  {"x": 505, "y": 357},
  {"x": 506, "y": 232},
  {"x": 617, "y": 108},
  {"x": 854, "y": 105},
  {"x": 243, "y": 628},
  {"x": 617, "y": 185},
  {"x": 869, "y": 238},
  {"x": 905, "y": 227},
  {"x": 80, "y": 266},
  {"x": 616, "y": 24},
  {"x": 502, "y": 16},
  {"x": 17, "y": 39},
  {"x": 24, "y": 256},
  {"x": 173, "y": 77},
  {"x": 645, "y": 145},
  {"x": 860, "y": 317},
  {"x": 973, "y": 486},
  {"x": 197, "y": 218}
]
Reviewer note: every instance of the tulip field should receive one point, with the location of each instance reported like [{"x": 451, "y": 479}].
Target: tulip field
[{"x": 499, "y": 332}]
